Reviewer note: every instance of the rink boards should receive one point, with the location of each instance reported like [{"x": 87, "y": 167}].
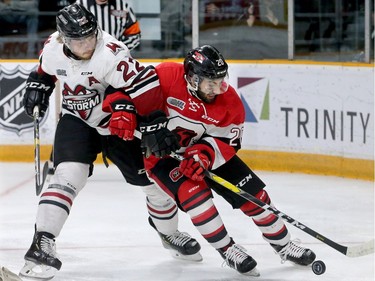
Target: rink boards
[{"x": 300, "y": 116}]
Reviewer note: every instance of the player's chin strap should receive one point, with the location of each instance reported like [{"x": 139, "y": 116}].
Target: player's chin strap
[{"x": 350, "y": 251}]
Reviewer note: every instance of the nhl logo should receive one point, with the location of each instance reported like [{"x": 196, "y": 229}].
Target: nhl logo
[{"x": 12, "y": 88}]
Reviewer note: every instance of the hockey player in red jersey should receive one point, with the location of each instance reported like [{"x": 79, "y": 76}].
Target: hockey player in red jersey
[
  {"x": 205, "y": 118},
  {"x": 96, "y": 117}
]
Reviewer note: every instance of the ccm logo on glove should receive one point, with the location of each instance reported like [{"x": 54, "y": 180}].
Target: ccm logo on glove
[
  {"x": 123, "y": 119},
  {"x": 153, "y": 127},
  {"x": 38, "y": 86},
  {"x": 38, "y": 89},
  {"x": 126, "y": 107}
]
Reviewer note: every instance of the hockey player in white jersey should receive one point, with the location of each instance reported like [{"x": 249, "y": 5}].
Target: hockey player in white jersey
[
  {"x": 96, "y": 75},
  {"x": 118, "y": 19}
]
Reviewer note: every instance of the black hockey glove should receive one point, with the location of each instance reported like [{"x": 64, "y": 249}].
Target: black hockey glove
[
  {"x": 38, "y": 91},
  {"x": 156, "y": 138}
]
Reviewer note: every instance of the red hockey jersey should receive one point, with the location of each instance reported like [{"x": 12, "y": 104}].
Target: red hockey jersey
[{"x": 219, "y": 123}]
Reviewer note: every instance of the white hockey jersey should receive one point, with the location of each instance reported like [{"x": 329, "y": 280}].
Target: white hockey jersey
[{"x": 83, "y": 82}]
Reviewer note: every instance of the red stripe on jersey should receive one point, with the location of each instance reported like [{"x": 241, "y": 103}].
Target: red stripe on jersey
[{"x": 58, "y": 195}]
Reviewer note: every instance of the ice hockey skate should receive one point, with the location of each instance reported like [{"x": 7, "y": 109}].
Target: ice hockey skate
[
  {"x": 295, "y": 253},
  {"x": 41, "y": 262},
  {"x": 235, "y": 256},
  {"x": 181, "y": 245}
]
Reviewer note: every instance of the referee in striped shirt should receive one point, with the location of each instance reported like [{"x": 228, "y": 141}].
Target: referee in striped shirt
[{"x": 117, "y": 18}]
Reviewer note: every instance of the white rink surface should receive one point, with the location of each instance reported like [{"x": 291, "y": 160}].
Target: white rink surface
[{"x": 107, "y": 236}]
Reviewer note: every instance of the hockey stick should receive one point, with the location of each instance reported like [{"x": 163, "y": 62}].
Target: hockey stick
[
  {"x": 38, "y": 185},
  {"x": 48, "y": 167},
  {"x": 350, "y": 251}
]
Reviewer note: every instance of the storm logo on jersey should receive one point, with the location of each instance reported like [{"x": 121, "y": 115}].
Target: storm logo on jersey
[{"x": 80, "y": 100}]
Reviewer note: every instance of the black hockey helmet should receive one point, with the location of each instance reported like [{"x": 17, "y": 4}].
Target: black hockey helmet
[
  {"x": 205, "y": 61},
  {"x": 206, "y": 73},
  {"x": 75, "y": 21}
]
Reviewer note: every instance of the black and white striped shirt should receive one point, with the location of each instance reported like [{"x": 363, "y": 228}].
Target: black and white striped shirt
[{"x": 118, "y": 19}]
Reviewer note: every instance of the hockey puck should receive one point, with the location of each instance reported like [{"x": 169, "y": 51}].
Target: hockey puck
[{"x": 318, "y": 267}]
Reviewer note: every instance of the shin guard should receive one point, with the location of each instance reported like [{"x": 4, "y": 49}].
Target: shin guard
[
  {"x": 196, "y": 199},
  {"x": 272, "y": 227}
]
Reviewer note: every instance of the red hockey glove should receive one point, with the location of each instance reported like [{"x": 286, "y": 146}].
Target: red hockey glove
[
  {"x": 123, "y": 120},
  {"x": 196, "y": 162}
]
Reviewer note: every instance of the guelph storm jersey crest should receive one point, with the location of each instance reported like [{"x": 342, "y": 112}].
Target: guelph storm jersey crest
[
  {"x": 12, "y": 88},
  {"x": 80, "y": 100}
]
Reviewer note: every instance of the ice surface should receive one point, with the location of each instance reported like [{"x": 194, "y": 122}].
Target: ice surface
[{"x": 107, "y": 236}]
